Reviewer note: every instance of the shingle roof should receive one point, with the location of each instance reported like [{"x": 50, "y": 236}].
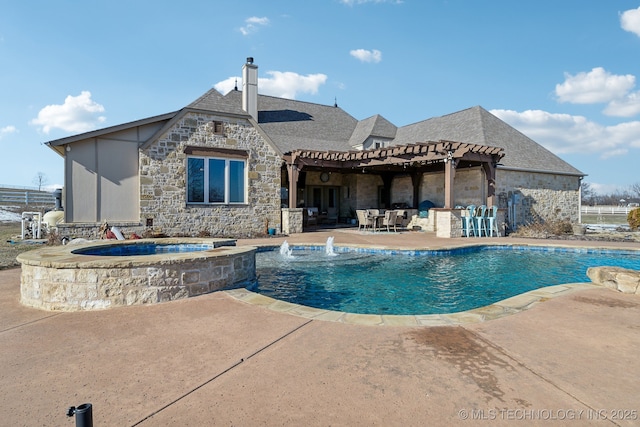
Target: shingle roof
[
  {"x": 214, "y": 101},
  {"x": 478, "y": 126},
  {"x": 295, "y": 124},
  {"x": 373, "y": 126}
]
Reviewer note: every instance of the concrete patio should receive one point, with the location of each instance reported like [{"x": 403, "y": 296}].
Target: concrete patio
[{"x": 571, "y": 360}]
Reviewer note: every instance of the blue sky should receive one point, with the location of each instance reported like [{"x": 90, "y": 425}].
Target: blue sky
[{"x": 565, "y": 73}]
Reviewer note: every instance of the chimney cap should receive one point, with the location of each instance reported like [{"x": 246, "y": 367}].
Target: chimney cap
[{"x": 250, "y": 60}]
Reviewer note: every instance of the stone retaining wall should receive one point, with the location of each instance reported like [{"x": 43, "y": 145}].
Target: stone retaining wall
[{"x": 616, "y": 278}]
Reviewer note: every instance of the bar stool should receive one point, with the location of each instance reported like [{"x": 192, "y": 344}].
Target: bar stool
[
  {"x": 492, "y": 221},
  {"x": 481, "y": 220},
  {"x": 469, "y": 220}
]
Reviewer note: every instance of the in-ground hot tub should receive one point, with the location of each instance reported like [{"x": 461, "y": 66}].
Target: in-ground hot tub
[{"x": 104, "y": 274}]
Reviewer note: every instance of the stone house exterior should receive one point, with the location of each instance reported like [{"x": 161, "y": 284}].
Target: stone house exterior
[{"x": 234, "y": 165}]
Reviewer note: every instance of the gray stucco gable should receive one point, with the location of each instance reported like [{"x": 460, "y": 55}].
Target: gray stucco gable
[{"x": 373, "y": 126}]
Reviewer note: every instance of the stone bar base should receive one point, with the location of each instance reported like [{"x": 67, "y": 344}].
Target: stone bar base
[{"x": 292, "y": 220}]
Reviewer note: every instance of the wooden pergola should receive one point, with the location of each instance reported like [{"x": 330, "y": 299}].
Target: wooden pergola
[{"x": 412, "y": 159}]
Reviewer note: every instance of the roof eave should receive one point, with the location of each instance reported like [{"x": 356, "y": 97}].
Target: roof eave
[
  {"x": 99, "y": 132},
  {"x": 515, "y": 169}
]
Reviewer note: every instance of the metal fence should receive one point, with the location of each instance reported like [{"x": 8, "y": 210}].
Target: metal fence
[{"x": 27, "y": 198}]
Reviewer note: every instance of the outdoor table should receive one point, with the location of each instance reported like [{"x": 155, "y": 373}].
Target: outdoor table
[{"x": 375, "y": 219}]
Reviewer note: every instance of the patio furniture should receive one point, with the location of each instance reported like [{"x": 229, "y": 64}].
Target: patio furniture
[
  {"x": 312, "y": 216},
  {"x": 332, "y": 216},
  {"x": 492, "y": 221},
  {"x": 374, "y": 215},
  {"x": 481, "y": 220},
  {"x": 469, "y": 219},
  {"x": 389, "y": 219},
  {"x": 401, "y": 217},
  {"x": 363, "y": 219}
]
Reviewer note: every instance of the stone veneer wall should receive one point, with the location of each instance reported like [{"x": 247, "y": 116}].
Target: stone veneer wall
[
  {"x": 367, "y": 191},
  {"x": 292, "y": 220},
  {"x": 468, "y": 187},
  {"x": 163, "y": 181},
  {"x": 543, "y": 197},
  {"x": 402, "y": 191},
  {"x": 54, "y": 280}
]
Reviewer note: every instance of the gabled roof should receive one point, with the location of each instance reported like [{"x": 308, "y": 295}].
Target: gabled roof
[
  {"x": 478, "y": 126},
  {"x": 58, "y": 143},
  {"x": 373, "y": 126},
  {"x": 295, "y": 124},
  {"x": 291, "y": 125},
  {"x": 213, "y": 100}
]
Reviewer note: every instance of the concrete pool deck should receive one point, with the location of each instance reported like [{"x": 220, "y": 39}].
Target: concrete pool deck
[{"x": 214, "y": 360}]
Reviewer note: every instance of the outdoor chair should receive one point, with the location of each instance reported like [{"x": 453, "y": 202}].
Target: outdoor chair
[
  {"x": 481, "y": 220},
  {"x": 363, "y": 219},
  {"x": 390, "y": 219},
  {"x": 492, "y": 221},
  {"x": 401, "y": 216},
  {"x": 332, "y": 216},
  {"x": 312, "y": 216},
  {"x": 469, "y": 219}
]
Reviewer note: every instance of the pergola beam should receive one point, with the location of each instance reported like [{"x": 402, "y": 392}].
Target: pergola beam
[{"x": 410, "y": 157}]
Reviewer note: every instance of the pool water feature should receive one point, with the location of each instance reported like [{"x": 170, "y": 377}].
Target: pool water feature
[{"x": 369, "y": 281}]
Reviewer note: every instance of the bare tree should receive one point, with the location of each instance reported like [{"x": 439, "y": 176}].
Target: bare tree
[
  {"x": 40, "y": 180},
  {"x": 587, "y": 193},
  {"x": 635, "y": 189}
]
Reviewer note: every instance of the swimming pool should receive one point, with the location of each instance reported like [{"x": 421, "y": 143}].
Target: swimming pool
[{"x": 370, "y": 281}]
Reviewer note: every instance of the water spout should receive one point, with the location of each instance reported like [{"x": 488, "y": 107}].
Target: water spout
[
  {"x": 285, "y": 251},
  {"x": 329, "y": 247}
]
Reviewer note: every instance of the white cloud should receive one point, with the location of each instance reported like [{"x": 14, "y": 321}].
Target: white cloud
[
  {"x": 77, "y": 114},
  {"x": 630, "y": 21},
  {"x": 598, "y": 85},
  {"x": 7, "y": 130},
  {"x": 367, "y": 55},
  {"x": 253, "y": 24},
  {"x": 285, "y": 84},
  {"x": 628, "y": 106},
  {"x": 564, "y": 133}
]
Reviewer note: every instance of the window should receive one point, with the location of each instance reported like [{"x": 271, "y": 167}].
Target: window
[
  {"x": 216, "y": 180},
  {"x": 218, "y": 128}
]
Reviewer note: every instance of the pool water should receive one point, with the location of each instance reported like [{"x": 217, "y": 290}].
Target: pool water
[
  {"x": 423, "y": 282},
  {"x": 134, "y": 249}
]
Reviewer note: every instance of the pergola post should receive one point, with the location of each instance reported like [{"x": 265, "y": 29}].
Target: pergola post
[
  {"x": 416, "y": 177},
  {"x": 490, "y": 173},
  {"x": 292, "y": 173},
  {"x": 449, "y": 175}
]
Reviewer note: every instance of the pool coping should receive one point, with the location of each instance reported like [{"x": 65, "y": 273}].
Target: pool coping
[
  {"x": 506, "y": 307},
  {"x": 499, "y": 309}
]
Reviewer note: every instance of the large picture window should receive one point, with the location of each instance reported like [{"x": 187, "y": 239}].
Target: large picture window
[{"x": 216, "y": 180}]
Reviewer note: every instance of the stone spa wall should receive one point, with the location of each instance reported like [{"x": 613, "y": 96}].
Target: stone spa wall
[{"x": 58, "y": 278}]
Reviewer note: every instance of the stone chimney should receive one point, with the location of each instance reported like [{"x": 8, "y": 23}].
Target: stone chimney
[{"x": 250, "y": 88}]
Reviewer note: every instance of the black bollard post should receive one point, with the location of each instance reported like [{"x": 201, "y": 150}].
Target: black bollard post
[{"x": 83, "y": 413}]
